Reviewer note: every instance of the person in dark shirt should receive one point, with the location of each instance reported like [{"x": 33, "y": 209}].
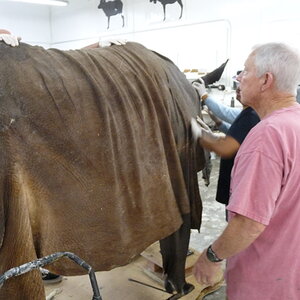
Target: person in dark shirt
[
  {"x": 239, "y": 129},
  {"x": 226, "y": 147}
]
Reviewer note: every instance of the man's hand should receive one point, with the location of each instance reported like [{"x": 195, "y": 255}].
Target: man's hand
[
  {"x": 207, "y": 135},
  {"x": 196, "y": 129},
  {"x": 217, "y": 121},
  {"x": 9, "y": 39},
  {"x": 107, "y": 43},
  {"x": 202, "y": 131},
  {"x": 200, "y": 88},
  {"x": 207, "y": 272},
  {"x": 203, "y": 125}
]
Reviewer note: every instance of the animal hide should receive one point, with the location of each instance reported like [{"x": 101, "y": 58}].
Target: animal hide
[{"x": 96, "y": 157}]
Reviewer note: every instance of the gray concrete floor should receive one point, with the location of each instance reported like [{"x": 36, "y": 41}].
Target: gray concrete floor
[{"x": 213, "y": 220}]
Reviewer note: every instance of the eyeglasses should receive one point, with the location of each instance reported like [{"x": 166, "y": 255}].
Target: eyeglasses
[
  {"x": 234, "y": 78},
  {"x": 238, "y": 73}
]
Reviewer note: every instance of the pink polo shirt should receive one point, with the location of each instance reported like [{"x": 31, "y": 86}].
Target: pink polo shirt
[{"x": 265, "y": 187}]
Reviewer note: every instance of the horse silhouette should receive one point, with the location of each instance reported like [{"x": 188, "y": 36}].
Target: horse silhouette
[
  {"x": 165, "y": 2},
  {"x": 111, "y": 8}
]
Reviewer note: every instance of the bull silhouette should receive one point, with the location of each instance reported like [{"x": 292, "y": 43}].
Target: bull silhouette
[
  {"x": 165, "y": 2},
  {"x": 112, "y": 8}
]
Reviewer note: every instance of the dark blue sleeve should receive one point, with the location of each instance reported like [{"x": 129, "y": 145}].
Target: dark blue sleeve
[{"x": 246, "y": 120}]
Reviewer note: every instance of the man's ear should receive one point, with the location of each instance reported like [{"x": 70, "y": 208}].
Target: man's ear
[{"x": 268, "y": 80}]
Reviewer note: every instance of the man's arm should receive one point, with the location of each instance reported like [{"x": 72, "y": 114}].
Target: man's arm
[
  {"x": 237, "y": 236},
  {"x": 106, "y": 43},
  {"x": 224, "y": 127},
  {"x": 226, "y": 147},
  {"x": 96, "y": 45},
  {"x": 221, "y": 125},
  {"x": 222, "y": 111}
]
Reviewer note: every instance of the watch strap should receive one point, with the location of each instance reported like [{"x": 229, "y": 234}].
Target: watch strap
[{"x": 212, "y": 256}]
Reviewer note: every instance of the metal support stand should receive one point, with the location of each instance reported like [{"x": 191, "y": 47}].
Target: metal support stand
[{"x": 41, "y": 262}]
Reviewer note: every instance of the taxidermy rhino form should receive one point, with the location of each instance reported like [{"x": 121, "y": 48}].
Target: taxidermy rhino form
[{"x": 97, "y": 159}]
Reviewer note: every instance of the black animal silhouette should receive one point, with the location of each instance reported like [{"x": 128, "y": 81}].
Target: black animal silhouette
[
  {"x": 112, "y": 8},
  {"x": 165, "y": 2}
]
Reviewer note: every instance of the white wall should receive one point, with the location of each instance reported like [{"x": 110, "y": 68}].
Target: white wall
[
  {"x": 208, "y": 33},
  {"x": 184, "y": 41},
  {"x": 31, "y": 22}
]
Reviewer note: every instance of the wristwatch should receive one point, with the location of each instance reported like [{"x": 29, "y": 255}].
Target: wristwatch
[{"x": 212, "y": 256}]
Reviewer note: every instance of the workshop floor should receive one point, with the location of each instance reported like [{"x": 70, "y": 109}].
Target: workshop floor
[
  {"x": 213, "y": 220},
  {"x": 113, "y": 283}
]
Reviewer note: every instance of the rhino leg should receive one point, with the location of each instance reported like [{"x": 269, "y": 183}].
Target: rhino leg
[
  {"x": 18, "y": 248},
  {"x": 174, "y": 250},
  {"x": 24, "y": 287}
]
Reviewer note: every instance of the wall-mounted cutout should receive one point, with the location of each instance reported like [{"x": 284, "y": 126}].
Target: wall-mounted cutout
[
  {"x": 112, "y": 8},
  {"x": 165, "y": 2}
]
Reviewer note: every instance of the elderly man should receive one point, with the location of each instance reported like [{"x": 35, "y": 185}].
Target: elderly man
[{"x": 261, "y": 242}]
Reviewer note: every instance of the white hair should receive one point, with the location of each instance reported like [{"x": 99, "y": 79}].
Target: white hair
[{"x": 280, "y": 60}]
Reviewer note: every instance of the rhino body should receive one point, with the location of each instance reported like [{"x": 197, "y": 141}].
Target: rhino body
[{"x": 96, "y": 159}]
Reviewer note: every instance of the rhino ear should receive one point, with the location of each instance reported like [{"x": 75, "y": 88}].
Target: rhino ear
[{"x": 215, "y": 75}]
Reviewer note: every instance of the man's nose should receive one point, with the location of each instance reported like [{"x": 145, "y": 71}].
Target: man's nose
[{"x": 239, "y": 77}]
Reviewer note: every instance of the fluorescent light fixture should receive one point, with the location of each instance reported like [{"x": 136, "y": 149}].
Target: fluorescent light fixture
[{"x": 45, "y": 2}]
